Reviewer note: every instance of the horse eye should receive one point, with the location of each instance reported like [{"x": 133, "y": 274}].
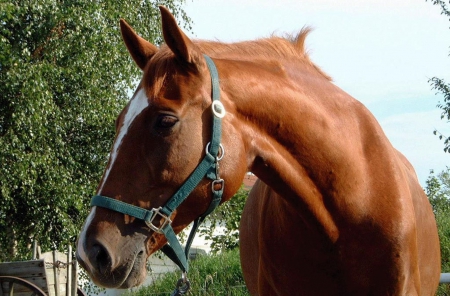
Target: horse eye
[{"x": 165, "y": 121}]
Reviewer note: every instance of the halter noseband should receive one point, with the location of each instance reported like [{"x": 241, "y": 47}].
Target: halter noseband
[{"x": 208, "y": 167}]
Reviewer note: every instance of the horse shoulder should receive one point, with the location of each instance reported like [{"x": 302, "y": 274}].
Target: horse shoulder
[
  {"x": 277, "y": 246},
  {"x": 429, "y": 260},
  {"x": 248, "y": 235}
]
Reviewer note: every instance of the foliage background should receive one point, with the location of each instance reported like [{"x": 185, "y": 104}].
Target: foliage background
[
  {"x": 227, "y": 216},
  {"x": 438, "y": 186},
  {"x": 438, "y": 191},
  {"x": 218, "y": 274},
  {"x": 65, "y": 74},
  {"x": 441, "y": 86}
]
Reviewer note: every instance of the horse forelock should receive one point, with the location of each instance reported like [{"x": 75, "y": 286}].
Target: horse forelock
[{"x": 161, "y": 67}]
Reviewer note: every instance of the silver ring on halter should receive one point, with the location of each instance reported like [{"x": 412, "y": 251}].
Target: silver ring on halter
[
  {"x": 221, "y": 151},
  {"x": 218, "y": 109}
]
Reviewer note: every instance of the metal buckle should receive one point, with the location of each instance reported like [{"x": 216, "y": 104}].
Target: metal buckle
[
  {"x": 215, "y": 182},
  {"x": 163, "y": 224}
]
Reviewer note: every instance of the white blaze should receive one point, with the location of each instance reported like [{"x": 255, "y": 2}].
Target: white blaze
[
  {"x": 138, "y": 103},
  {"x": 80, "y": 246}
]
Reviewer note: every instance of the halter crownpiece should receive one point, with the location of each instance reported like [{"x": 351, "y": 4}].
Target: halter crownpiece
[{"x": 208, "y": 167}]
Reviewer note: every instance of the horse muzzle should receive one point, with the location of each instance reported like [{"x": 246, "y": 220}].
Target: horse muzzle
[{"x": 119, "y": 266}]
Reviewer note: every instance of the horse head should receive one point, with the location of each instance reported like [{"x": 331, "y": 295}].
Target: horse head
[{"x": 160, "y": 139}]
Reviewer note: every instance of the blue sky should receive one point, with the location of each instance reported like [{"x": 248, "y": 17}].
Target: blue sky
[{"x": 382, "y": 52}]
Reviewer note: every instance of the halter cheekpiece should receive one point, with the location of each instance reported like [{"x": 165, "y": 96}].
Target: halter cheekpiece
[{"x": 208, "y": 167}]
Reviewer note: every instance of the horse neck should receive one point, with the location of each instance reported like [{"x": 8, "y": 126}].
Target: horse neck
[{"x": 289, "y": 116}]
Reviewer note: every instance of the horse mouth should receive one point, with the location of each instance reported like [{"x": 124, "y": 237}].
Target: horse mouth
[
  {"x": 128, "y": 275},
  {"x": 136, "y": 272}
]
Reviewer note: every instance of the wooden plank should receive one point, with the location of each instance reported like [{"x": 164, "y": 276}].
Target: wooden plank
[
  {"x": 74, "y": 277},
  {"x": 52, "y": 290},
  {"x": 34, "y": 250},
  {"x": 56, "y": 272},
  {"x": 23, "y": 268},
  {"x": 50, "y": 272},
  {"x": 69, "y": 272},
  {"x": 38, "y": 252},
  {"x": 57, "y": 288}
]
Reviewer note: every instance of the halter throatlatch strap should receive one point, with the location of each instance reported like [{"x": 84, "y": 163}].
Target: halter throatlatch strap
[{"x": 208, "y": 167}]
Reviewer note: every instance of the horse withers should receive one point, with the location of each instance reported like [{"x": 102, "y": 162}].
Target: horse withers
[{"x": 337, "y": 210}]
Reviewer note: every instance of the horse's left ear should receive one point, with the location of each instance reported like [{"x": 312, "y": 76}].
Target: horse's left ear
[
  {"x": 140, "y": 49},
  {"x": 183, "y": 48}
]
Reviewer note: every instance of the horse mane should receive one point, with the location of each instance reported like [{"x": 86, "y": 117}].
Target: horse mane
[
  {"x": 291, "y": 46},
  {"x": 274, "y": 47}
]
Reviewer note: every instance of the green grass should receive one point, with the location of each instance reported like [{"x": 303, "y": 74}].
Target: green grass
[
  {"x": 219, "y": 274},
  {"x": 216, "y": 275}
]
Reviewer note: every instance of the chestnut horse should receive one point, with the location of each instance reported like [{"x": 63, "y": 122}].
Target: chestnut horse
[{"x": 338, "y": 210}]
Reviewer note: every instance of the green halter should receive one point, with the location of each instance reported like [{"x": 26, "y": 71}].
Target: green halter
[{"x": 208, "y": 167}]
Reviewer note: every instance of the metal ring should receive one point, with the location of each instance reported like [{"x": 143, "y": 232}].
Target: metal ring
[
  {"x": 183, "y": 286},
  {"x": 221, "y": 151},
  {"x": 218, "y": 109}
]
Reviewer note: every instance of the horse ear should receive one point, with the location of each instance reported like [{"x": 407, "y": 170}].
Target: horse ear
[
  {"x": 183, "y": 48},
  {"x": 140, "y": 49}
]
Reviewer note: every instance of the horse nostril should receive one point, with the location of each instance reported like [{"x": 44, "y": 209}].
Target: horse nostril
[{"x": 101, "y": 258}]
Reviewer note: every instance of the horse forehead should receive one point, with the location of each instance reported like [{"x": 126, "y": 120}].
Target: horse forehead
[
  {"x": 164, "y": 78},
  {"x": 138, "y": 103}
]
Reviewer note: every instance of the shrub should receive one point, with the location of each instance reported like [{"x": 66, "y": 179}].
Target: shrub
[
  {"x": 227, "y": 215},
  {"x": 218, "y": 274},
  {"x": 438, "y": 191}
]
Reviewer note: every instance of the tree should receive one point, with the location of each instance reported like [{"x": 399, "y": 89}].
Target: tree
[
  {"x": 442, "y": 87},
  {"x": 65, "y": 74},
  {"x": 438, "y": 191},
  {"x": 227, "y": 216}
]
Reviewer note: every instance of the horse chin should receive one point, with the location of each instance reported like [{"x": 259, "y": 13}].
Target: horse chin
[
  {"x": 128, "y": 276},
  {"x": 135, "y": 278}
]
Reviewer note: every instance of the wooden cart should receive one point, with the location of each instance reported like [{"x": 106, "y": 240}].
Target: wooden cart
[{"x": 50, "y": 274}]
